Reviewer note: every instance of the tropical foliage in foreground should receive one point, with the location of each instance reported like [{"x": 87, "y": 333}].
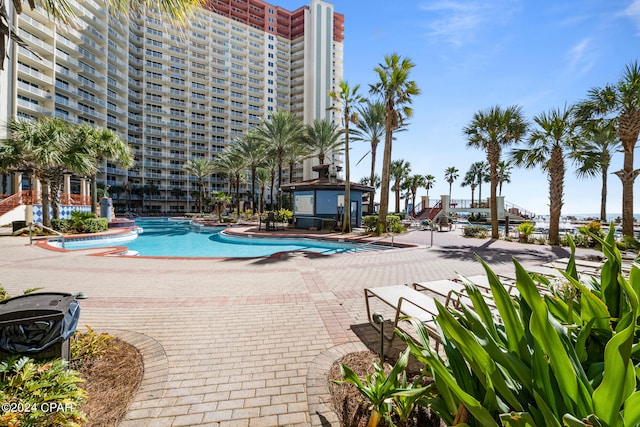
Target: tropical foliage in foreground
[{"x": 563, "y": 352}]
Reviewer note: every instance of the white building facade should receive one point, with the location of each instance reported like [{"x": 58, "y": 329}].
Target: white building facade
[{"x": 175, "y": 93}]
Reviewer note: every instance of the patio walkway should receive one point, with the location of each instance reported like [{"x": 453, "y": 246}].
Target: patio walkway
[{"x": 243, "y": 342}]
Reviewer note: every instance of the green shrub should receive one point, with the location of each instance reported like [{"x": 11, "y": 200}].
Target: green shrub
[
  {"x": 525, "y": 229},
  {"x": 566, "y": 355},
  {"x": 89, "y": 345},
  {"x": 393, "y": 222},
  {"x": 39, "y": 393},
  {"x": 95, "y": 225},
  {"x": 370, "y": 222},
  {"x": 283, "y": 215},
  {"x": 477, "y": 231},
  {"x": 61, "y": 225}
]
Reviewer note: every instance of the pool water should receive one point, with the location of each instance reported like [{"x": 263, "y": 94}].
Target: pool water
[{"x": 162, "y": 237}]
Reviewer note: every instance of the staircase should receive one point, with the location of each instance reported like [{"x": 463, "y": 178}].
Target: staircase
[
  {"x": 429, "y": 213},
  {"x": 15, "y": 200}
]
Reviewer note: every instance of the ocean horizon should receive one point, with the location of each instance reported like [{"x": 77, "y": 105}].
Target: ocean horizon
[{"x": 610, "y": 217}]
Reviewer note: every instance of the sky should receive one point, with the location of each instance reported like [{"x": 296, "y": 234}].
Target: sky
[{"x": 470, "y": 55}]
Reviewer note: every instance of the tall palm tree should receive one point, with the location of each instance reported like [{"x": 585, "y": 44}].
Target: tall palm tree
[
  {"x": 347, "y": 98},
  {"x": 61, "y": 11},
  {"x": 44, "y": 143},
  {"x": 620, "y": 101},
  {"x": 413, "y": 183},
  {"x": 483, "y": 176},
  {"x": 504, "y": 174},
  {"x": 321, "y": 137},
  {"x": 450, "y": 175},
  {"x": 593, "y": 155},
  {"x": 262, "y": 177},
  {"x": 252, "y": 150},
  {"x": 470, "y": 180},
  {"x": 490, "y": 130},
  {"x": 105, "y": 144},
  {"x": 201, "y": 169},
  {"x": 231, "y": 162},
  {"x": 400, "y": 170},
  {"x": 370, "y": 127},
  {"x": 430, "y": 182},
  {"x": 279, "y": 133},
  {"x": 396, "y": 92},
  {"x": 549, "y": 143}
]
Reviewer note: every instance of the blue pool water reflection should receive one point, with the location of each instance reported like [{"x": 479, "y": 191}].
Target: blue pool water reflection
[{"x": 162, "y": 237}]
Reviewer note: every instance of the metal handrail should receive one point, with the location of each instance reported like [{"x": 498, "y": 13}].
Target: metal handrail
[{"x": 51, "y": 230}]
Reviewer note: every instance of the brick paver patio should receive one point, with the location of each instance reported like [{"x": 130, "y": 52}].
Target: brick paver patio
[{"x": 243, "y": 342}]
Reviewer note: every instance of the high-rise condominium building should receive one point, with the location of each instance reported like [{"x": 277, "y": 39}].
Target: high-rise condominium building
[{"x": 175, "y": 93}]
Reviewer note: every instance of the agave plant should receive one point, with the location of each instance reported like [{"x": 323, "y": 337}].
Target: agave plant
[{"x": 565, "y": 356}]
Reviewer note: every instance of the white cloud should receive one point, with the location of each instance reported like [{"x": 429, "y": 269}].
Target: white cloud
[
  {"x": 580, "y": 57},
  {"x": 633, "y": 12},
  {"x": 458, "y": 21}
]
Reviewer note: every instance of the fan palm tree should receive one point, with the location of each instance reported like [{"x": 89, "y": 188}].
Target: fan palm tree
[
  {"x": 320, "y": 138},
  {"x": 450, "y": 175},
  {"x": 400, "y": 170},
  {"x": 252, "y": 150},
  {"x": 262, "y": 177},
  {"x": 413, "y": 183},
  {"x": 396, "y": 92},
  {"x": 430, "y": 181},
  {"x": 593, "y": 155},
  {"x": 549, "y": 143},
  {"x": 61, "y": 11},
  {"x": 45, "y": 145},
  {"x": 105, "y": 144},
  {"x": 201, "y": 169},
  {"x": 490, "y": 130},
  {"x": 470, "y": 180},
  {"x": 620, "y": 101},
  {"x": 347, "y": 98},
  {"x": 231, "y": 163},
  {"x": 504, "y": 174},
  {"x": 370, "y": 127},
  {"x": 483, "y": 176},
  {"x": 279, "y": 133}
]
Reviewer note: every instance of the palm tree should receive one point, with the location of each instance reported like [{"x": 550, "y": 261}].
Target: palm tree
[
  {"x": 396, "y": 91},
  {"x": 279, "y": 133},
  {"x": 370, "y": 127},
  {"x": 262, "y": 177},
  {"x": 490, "y": 130},
  {"x": 504, "y": 174},
  {"x": 321, "y": 137},
  {"x": 470, "y": 180},
  {"x": 593, "y": 155},
  {"x": 61, "y": 11},
  {"x": 252, "y": 150},
  {"x": 450, "y": 175},
  {"x": 201, "y": 169},
  {"x": 430, "y": 181},
  {"x": 400, "y": 170},
  {"x": 44, "y": 143},
  {"x": 620, "y": 101},
  {"x": 546, "y": 148},
  {"x": 105, "y": 144},
  {"x": 483, "y": 175},
  {"x": 413, "y": 183},
  {"x": 348, "y": 98},
  {"x": 231, "y": 163}
]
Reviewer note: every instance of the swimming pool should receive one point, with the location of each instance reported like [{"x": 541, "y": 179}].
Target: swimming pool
[{"x": 162, "y": 237}]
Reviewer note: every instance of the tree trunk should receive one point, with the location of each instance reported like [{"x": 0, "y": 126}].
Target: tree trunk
[
  {"x": 396, "y": 188},
  {"x": 627, "y": 175},
  {"x": 386, "y": 166},
  {"x": 372, "y": 178},
  {"x": 346, "y": 217},
  {"x": 493, "y": 157},
  {"x": 46, "y": 220},
  {"x": 279, "y": 180},
  {"x": 54, "y": 191},
  {"x": 94, "y": 194},
  {"x": 556, "y": 188},
  {"x": 253, "y": 190},
  {"x": 603, "y": 197}
]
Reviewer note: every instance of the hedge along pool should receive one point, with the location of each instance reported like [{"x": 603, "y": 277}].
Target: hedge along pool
[{"x": 166, "y": 238}]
